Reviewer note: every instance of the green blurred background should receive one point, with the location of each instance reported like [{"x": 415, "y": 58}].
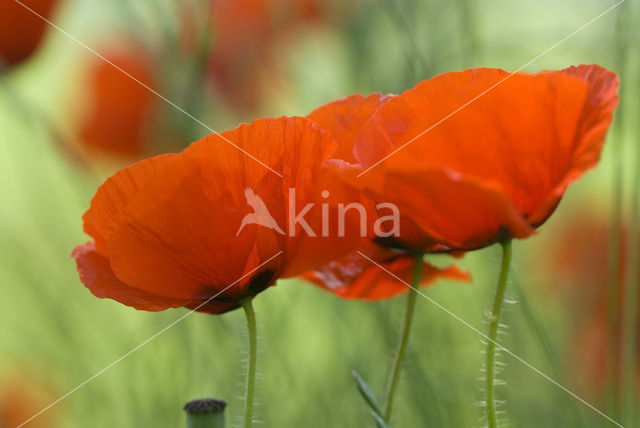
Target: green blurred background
[{"x": 55, "y": 334}]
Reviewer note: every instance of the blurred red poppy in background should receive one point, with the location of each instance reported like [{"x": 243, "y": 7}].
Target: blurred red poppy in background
[
  {"x": 21, "y": 397},
  {"x": 245, "y": 35},
  {"x": 21, "y": 30},
  {"x": 356, "y": 276},
  {"x": 120, "y": 111},
  {"x": 168, "y": 231},
  {"x": 233, "y": 53},
  {"x": 577, "y": 271},
  {"x": 494, "y": 169}
]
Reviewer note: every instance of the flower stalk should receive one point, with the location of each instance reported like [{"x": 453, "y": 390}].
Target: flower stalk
[
  {"x": 404, "y": 338},
  {"x": 494, "y": 324},
  {"x": 251, "y": 369}
]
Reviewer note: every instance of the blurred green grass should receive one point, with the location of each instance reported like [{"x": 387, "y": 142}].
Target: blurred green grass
[{"x": 309, "y": 340}]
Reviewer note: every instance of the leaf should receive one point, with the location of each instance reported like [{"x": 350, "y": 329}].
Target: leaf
[
  {"x": 380, "y": 422},
  {"x": 370, "y": 398}
]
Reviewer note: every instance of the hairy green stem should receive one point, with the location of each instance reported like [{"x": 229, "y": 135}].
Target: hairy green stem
[
  {"x": 404, "y": 338},
  {"x": 494, "y": 324},
  {"x": 251, "y": 369}
]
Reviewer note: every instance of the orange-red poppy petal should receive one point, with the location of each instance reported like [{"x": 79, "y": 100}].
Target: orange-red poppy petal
[
  {"x": 180, "y": 236},
  {"x": 344, "y": 118},
  {"x": 355, "y": 277},
  {"x": 596, "y": 117},
  {"x": 115, "y": 193},
  {"x": 297, "y": 148},
  {"x": 96, "y": 274},
  {"x": 439, "y": 209},
  {"x": 518, "y": 132},
  {"x": 456, "y": 213},
  {"x": 177, "y": 239},
  {"x": 512, "y": 137}
]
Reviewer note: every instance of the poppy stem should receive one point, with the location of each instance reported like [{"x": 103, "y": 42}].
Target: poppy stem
[
  {"x": 494, "y": 324},
  {"x": 251, "y": 369},
  {"x": 404, "y": 338}
]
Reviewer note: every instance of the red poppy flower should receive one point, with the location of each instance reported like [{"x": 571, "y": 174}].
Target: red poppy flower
[
  {"x": 356, "y": 276},
  {"x": 172, "y": 230},
  {"x": 468, "y": 174},
  {"x": 21, "y": 30},
  {"x": 120, "y": 108}
]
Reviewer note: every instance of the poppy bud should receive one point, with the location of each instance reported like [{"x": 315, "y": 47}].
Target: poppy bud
[{"x": 205, "y": 413}]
